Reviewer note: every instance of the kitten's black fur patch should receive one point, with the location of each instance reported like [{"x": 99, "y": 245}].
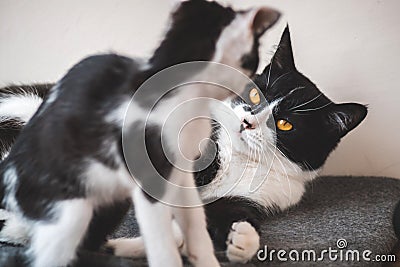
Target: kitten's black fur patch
[
  {"x": 252, "y": 59},
  {"x": 201, "y": 33},
  {"x": 157, "y": 158},
  {"x": 105, "y": 221}
]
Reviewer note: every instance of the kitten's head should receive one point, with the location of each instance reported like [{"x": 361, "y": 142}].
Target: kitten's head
[
  {"x": 203, "y": 30},
  {"x": 297, "y": 117}
]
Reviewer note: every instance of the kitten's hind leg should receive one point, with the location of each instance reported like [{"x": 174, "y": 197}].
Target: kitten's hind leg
[
  {"x": 155, "y": 223},
  {"x": 54, "y": 242}
]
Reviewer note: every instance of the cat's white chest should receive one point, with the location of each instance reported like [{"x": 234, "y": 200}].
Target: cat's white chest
[{"x": 257, "y": 181}]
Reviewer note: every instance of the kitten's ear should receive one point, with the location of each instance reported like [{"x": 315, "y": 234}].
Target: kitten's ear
[
  {"x": 346, "y": 117},
  {"x": 261, "y": 19}
]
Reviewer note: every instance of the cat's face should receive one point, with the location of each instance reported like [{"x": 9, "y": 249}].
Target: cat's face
[{"x": 297, "y": 118}]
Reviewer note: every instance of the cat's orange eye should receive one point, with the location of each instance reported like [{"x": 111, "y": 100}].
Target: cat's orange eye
[
  {"x": 284, "y": 125},
  {"x": 254, "y": 96}
]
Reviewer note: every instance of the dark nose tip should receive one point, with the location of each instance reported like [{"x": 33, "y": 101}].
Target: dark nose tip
[{"x": 246, "y": 125}]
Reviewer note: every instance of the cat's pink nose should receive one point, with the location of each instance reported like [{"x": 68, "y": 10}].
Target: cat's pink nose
[{"x": 246, "y": 125}]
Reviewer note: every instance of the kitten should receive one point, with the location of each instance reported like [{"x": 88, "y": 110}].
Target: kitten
[{"x": 65, "y": 176}]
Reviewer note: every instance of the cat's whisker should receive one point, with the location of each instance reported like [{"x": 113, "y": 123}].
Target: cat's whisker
[
  {"x": 292, "y": 91},
  {"x": 280, "y": 77},
  {"x": 288, "y": 196},
  {"x": 291, "y": 164},
  {"x": 295, "y": 89},
  {"x": 269, "y": 71},
  {"x": 308, "y": 102},
  {"x": 313, "y": 109}
]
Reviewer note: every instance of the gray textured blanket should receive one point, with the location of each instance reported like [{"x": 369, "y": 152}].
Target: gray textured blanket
[{"x": 346, "y": 214}]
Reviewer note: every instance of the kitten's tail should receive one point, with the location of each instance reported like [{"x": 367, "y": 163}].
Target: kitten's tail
[{"x": 17, "y": 106}]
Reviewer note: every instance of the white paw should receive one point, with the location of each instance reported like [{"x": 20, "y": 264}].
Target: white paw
[
  {"x": 243, "y": 242},
  {"x": 134, "y": 247},
  {"x": 14, "y": 230}
]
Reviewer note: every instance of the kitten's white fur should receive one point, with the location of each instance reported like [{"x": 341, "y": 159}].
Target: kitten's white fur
[{"x": 71, "y": 223}]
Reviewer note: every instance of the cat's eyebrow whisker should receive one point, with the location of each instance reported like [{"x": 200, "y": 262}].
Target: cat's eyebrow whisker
[
  {"x": 293, "y": 90},
  {"x": 308, "y": 102},
  {"x": 312, "y": 109},
  {"x": 280, "y": 77},
  {"x": 269, "y": 72}
]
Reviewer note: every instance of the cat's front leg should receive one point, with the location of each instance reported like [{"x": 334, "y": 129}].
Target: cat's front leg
[
  {"x": 134, "y": 247},
  {"x": 234, "y": 223},
  {"x": 243, "y": 242}
]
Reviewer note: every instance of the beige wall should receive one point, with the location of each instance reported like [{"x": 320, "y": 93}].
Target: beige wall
[{"x": 349, "y": 48}]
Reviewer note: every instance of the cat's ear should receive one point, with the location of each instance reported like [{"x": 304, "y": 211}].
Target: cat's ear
[
  {"x": 261, "y": 19},
  {"x": 284, "y": 54},
  {"x": 346, "y": 117},
  {"x": 283, "y": 60}
]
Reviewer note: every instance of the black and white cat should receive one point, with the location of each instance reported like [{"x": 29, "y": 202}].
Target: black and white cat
[
  {"x": 303, "y": 124},
  {"x": 294, "y": 134},
  {"x": 65, "y": 177}
]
